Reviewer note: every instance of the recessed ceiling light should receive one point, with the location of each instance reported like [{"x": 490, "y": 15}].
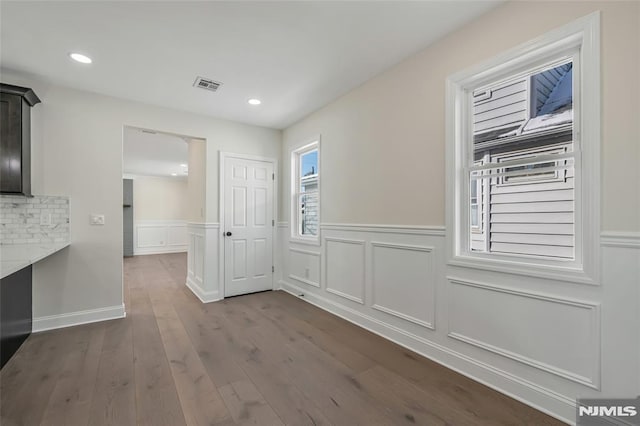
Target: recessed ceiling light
[
  {"x": 79, "y": 57},
  {"x": 174, "y": 174},
  {"x": 254, "y": 101},
  {"x": 183, "y": 165}
]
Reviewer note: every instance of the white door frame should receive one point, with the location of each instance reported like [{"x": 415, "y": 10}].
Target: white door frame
[{"x": 221, "y": 251}]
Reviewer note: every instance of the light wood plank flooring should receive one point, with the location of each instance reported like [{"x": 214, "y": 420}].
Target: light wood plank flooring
[{"x": 262, "y": 359}]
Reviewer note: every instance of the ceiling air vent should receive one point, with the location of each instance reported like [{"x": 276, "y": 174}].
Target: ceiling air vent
[{"x": 207, "y": 83}]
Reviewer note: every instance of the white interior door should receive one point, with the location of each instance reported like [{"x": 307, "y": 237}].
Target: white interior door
[{"x": 248, "y": 226}]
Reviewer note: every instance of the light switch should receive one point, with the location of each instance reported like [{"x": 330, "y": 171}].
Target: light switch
[{"x": 97, "y": 219}]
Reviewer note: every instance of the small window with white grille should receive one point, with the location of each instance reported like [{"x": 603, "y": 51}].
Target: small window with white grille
[{"x": 305, "y": 163}]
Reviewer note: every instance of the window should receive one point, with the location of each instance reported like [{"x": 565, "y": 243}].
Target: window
[
  {"x": 306, "y": 192},
  {"x": 523, "y": 144},
  {"x": 530, "y": 216}
]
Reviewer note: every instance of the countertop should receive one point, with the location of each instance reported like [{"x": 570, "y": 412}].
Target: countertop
[{"x": 14, "y": 257}]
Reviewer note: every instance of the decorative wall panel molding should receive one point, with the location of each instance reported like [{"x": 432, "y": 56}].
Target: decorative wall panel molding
[
  {"x": 156, "y": 237},
  {"x": 403, "y": 282},
  {"x": 202, "y": 261},
  {"x": 304, "y": 266},
  {"x": 345, "y": 268},
  {"x": 537, "y": 326}
]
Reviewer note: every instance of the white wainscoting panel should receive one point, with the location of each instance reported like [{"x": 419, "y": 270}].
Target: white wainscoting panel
[
  {"x": 559, "y": 336},
  {"x": 150, "y": 236},
  {"x": 199, "y": 254},
  {"x": 345, "y": 268},
  {"x": 403, "y": 282},
  {"x": 156, "y": 237},
  {"x": 304, "y": 266},
  {"x": 202, "y": 261},
  {"x": 544, "y": 342},
  {"x": 177, "y": 236}
]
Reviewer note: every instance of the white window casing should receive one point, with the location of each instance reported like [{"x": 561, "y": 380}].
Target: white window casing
[
  {"x": 579, "y": 43},
  {"x": 297, "y": 195}
]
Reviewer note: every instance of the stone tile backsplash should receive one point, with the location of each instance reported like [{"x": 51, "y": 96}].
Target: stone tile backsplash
[{"x": 33, "y": 220}]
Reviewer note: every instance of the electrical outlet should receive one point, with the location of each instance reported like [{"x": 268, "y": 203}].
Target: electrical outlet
[
  {"x": 97, "y": 219},
  {"x": 45, "y": 219},
  {"x": 306, "y": 273}
]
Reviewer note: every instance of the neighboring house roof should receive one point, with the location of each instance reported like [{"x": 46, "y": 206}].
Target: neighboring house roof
[
  {"x": 561, "y": 96},
  {"x": 548, "y": 121},
  {"x": 554, "y": 114}
]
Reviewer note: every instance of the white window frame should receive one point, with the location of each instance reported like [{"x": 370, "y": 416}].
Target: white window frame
[
  {"x": 296, "y": 153},
  {"x": 479, "y": 184},
  {"x": 559, "y": 175},
  {"x": 579, "y": 40}
]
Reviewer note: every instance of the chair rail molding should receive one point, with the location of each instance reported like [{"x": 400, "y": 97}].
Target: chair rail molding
[
  {"x": 437, "y": 231},
  {"x": 620, "y": 239}
]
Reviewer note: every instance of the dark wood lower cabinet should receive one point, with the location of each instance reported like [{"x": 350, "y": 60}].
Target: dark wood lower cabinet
[{"x": 15, "y": 312}]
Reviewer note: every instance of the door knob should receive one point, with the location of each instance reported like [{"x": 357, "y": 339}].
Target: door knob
[{"x": 228, "y": 234}]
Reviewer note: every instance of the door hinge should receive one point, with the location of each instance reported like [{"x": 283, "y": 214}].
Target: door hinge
[
  {"x": 273, "y": 222},
  {"x": 273, "y": 269},
  {"x": 273, "y": 176}
]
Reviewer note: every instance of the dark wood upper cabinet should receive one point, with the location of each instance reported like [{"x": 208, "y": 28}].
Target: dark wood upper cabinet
[{"x": 15, "y": 138}]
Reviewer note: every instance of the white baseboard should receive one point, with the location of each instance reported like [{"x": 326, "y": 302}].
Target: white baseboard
[
  {"x": 518, "y": 388},
  {"x": 159, "y": 250},
  {"x": 204, "y": 296},
  {"x": 53, "y": 322}
]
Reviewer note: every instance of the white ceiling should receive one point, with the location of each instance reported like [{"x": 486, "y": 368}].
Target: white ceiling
[
  {"x": 294, "y": 56},
  {"x": 153, "y": 154}
]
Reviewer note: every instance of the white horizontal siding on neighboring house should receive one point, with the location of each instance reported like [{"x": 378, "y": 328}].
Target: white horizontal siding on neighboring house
[
  {"x": 310, "y": 216},
  {"x": 532, "y": 217},
  {"x": 502, "y": 107}
]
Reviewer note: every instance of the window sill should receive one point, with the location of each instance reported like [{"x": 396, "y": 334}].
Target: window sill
[{"x": 550, "y": 272}]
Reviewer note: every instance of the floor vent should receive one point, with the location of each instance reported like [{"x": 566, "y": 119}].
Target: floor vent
[{"x": 207, "y": 83}]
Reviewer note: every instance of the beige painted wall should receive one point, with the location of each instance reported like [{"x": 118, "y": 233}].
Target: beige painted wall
[
  {"x": 197, "y": 181},
  {"x": 383, "y": 144},
  {"x": 160, "y": 198},
  {"x": 78, "y": 146}
]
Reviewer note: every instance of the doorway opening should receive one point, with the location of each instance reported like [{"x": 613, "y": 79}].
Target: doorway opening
[{"x": 163, "y": 190}]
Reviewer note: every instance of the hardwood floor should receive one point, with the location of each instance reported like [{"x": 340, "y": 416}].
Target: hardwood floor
[{"x": 262, "y": 359}]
